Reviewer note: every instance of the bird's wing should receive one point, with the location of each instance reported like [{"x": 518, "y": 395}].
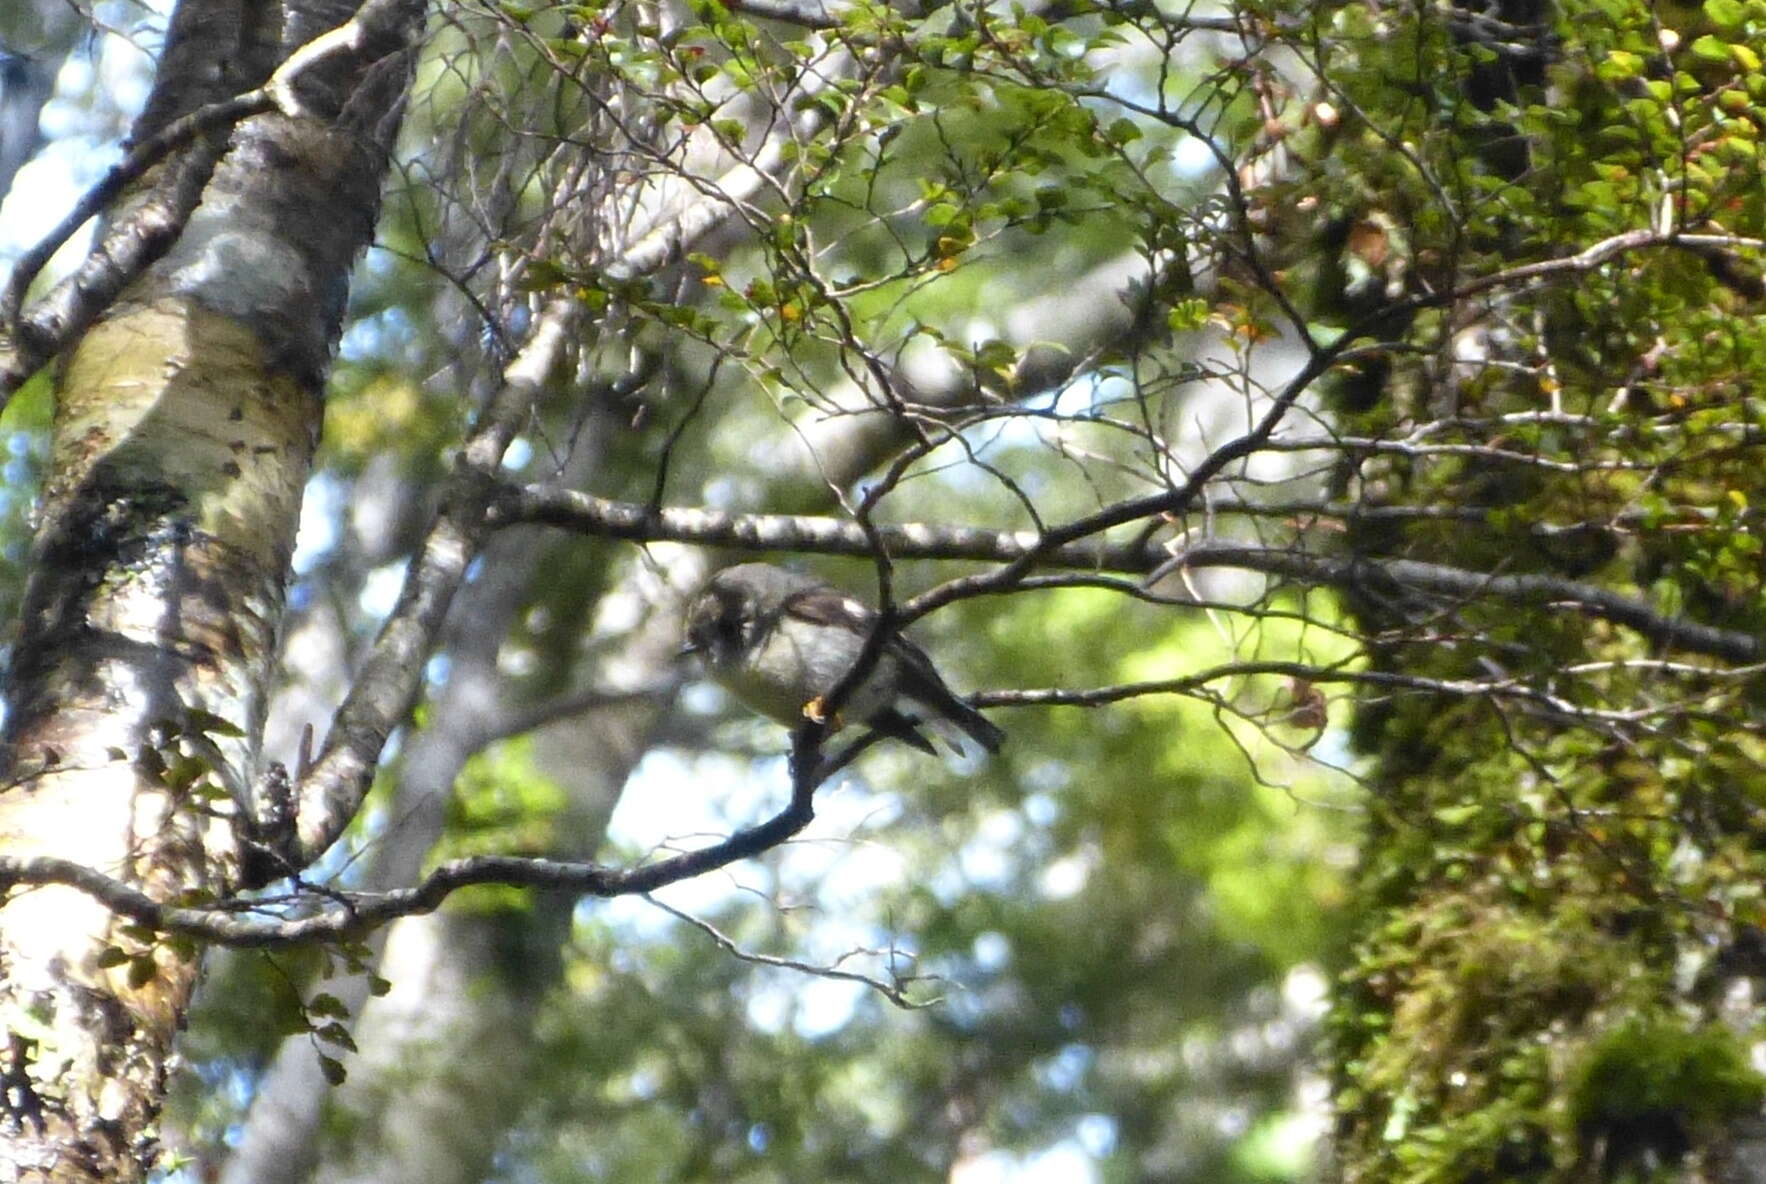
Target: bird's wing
[
  {"x": 822, "y": 605},
  {"x": 919, "y": 678},
  {"x": 921, "y": 681}
]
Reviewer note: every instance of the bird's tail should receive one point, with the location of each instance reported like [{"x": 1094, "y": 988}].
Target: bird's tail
[{"x": 977, "y": 726}]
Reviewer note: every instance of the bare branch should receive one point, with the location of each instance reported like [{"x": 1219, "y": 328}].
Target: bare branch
[
  {"x": 391, "y": 676},
  {"x": 142, "y": 157},
  {"x": 352, "y": 915},
  {"x": 894, "y": 990},
  {"x": 1397, "y": 575},
  {"x": 1021, "y": 549},
  {"x": 1493, "y": 688}
]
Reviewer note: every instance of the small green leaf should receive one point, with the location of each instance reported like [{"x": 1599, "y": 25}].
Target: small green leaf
[
  {"x": 1458, "y": 815},
  {"x": 1710, "y": 49},
  {"x": 335, "y": 1033},
  {"x": 324, "y": 1004},
  {"x": 1619, "y": 65},
  {"x": 211, "y": 724},
  {"x": 1726, "y": 14},
  {"x": 142, "y": 969},
  {"x": 1187, "y": 315},
  {"x": 1123, "y": 131},
  {"x": 996, "y": 355},
  {"x": 184, "y": 773},
  {"x": 335, "y": 1073}
]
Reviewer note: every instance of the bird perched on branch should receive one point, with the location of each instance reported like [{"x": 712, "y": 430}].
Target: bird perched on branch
[{"x": 781, "y": 642}]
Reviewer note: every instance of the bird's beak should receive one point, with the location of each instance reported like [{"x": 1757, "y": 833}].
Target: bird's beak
[{"x": 688, "y": 649}]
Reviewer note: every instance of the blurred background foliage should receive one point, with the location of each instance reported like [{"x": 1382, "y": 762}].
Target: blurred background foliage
[
  {"x": 1099, "y": 232},
  {"x": 1113, "y": 936}
]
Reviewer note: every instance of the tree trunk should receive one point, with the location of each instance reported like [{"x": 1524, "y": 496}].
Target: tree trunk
[{"x": 185, "y": 421}]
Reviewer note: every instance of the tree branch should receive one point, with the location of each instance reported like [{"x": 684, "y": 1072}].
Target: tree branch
[
  {"x": 349, "y": 915},
  {"x": 592, "y": 515},
  {"x": 391, "y": 675},
  {"x": 1493, "y": 688},
  {"x": 352, "y": 915},
  {"x": 1398, "y": 575},
  {"x": 895, "y": 989}
]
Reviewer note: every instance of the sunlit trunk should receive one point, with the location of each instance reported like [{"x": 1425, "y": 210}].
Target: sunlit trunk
[{"x": 184, "y": 427}]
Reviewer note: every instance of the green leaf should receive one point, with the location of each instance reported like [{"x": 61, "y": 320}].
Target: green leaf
[
  {"x": 1123, "y": 131},
  {"x": 335, "y": 1033},
  {"x": 208, "y": 723},
  {"x": 1710, "y": 49},
  {"x": 335, "y": 1073},
  {"x": 1458, "y": 815},
  {"x": 1726, "y": 14},
  {"x": 328, "y": 1005},
  {"x": 1187, "y": 315},
  {"x": 184, "y": 773},
  {"x": 1619, "y": 65},
  {"x": 996, "y": 355}
]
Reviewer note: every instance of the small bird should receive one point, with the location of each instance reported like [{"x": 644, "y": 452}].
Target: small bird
[{"x": 780, "y": 642}]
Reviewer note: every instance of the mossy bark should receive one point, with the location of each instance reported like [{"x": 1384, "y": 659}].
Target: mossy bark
[{"x": 185, "y": 423}]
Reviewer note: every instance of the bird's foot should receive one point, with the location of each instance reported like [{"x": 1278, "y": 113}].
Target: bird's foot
[{"x": 816, "y": 711}]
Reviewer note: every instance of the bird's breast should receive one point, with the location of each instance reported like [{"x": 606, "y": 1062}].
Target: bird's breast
[{"x": 796, "y": 662}]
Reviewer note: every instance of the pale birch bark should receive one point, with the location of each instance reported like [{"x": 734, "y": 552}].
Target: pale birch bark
[
  {"x": 184, "y": 427},
  {"x": 434, "y": 961}
]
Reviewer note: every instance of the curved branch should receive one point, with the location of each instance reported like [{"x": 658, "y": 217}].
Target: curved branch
[
  {"x": 352, "y": 915},
  {"x": 132, "y": 167},
  {"x": 587, "y": 514},
  {"x": 1386, "y": 680},
  {"x": 895, "y": 990},
  {"x": 1389, "y": 575},
  {"x": 391, "y": 676},
  {"x": 357, "y": 915},
  {"x": 1022, "y": 549}
]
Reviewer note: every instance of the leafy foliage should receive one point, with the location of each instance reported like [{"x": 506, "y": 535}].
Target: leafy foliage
[{"x": 1010, "y": 266}]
